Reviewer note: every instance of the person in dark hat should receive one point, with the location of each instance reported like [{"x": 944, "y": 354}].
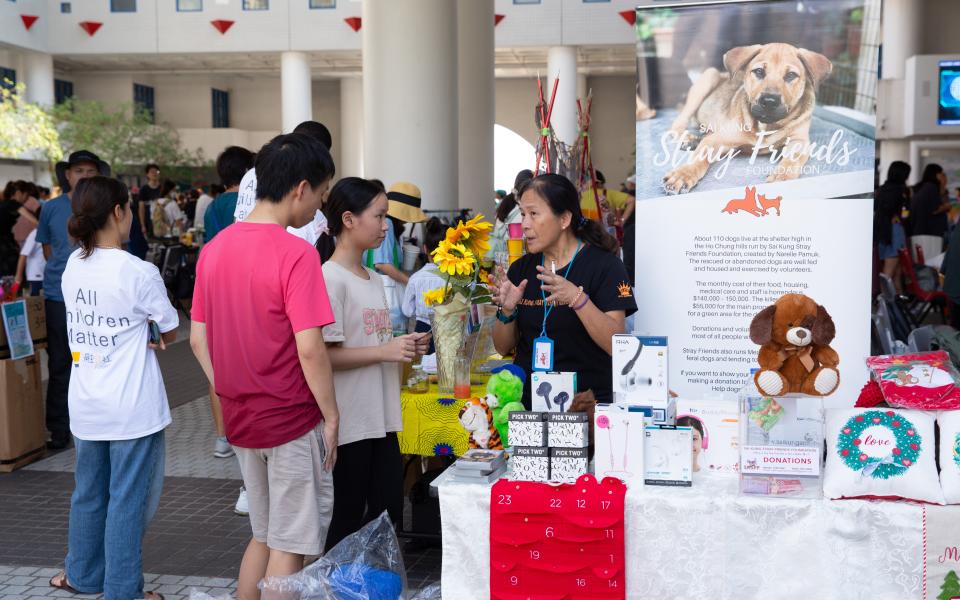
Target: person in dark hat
[{"x": 57, "y": 247}]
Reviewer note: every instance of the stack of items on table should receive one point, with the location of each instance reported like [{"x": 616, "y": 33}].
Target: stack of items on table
[
  {"x": 480, "y": 466},
  {"x": 549, "y": 446}
]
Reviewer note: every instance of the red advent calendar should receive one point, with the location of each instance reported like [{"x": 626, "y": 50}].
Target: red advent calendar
[{"x": 554, "y": 542}]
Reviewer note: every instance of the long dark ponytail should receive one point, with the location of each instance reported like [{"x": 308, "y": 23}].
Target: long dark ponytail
[
  {"x": 350, "y": 194},
  {"x": 561, "y": 195}
]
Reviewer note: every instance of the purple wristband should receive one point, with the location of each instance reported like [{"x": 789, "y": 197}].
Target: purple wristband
[{"x": 586, "y": 298}]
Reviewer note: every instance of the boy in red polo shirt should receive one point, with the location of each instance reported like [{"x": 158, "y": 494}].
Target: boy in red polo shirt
[{"x": 258, "y": 308}]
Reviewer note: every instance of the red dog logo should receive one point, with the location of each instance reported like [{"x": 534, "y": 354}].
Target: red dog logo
[{"x": 751, "y": 204}]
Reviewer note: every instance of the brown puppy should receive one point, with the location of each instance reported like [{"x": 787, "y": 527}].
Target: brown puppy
[{"x": 766, "y": 97}]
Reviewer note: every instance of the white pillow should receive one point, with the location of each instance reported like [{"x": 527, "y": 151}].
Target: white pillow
[
  {"x": 949, "y": 422},
  {"x": 881, "y": 453}
]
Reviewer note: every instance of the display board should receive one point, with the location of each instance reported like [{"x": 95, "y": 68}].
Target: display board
[{"x": 755, "y": 174}]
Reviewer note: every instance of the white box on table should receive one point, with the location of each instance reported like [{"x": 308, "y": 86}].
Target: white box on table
[
  {"x": 640, "y": 369},
  {"x": 568, "y": 430},
  {"x": 530, "y": 464},
  {"x": 618, "y": 442},
  {"x": 668, "y": 455},
  {"x": 717, "y": 423},
  {"x": 527, "y": 428},
  {"x": 568, "y": 464},
  {"x": 552, "y": 391}
]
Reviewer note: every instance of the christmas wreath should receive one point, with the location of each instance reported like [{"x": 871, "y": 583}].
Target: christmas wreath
[{"x": 901, "y": 457}]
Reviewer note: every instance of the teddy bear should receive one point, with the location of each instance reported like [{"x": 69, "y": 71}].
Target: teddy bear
[
  {"x": 504, "y": 392},
  {"x": 794, "y": 335}
]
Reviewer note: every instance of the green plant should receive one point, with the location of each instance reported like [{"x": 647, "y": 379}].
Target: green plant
[{"x": 26, "y": 127}]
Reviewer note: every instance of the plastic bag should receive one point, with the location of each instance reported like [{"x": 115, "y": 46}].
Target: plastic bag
[
  {"x": 195, "y": 595},
  {"x": 366, "y": 565},
  {"x": 920, "y": 381},
  {"x": 431, "y": 592}
]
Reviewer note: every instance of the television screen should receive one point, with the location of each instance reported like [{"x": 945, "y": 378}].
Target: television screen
[{"x": 948, "y": 112}]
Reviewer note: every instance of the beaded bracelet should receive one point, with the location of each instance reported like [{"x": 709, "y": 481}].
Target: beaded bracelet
[
  {"x": 586, "y": 298},
  {"x": 577, "y": 297}
]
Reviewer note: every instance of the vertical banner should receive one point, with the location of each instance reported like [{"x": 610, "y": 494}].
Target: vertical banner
[{"x": 755, "y": 175}]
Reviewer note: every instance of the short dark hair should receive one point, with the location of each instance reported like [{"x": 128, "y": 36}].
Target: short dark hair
[
  {"x": 434, "y": 232},
  {"x": 317, "y": 130},
  {"x": 147, "y": 168},
  {"x": 232, "y": 164},
  {"x": 286, "y": 160}
]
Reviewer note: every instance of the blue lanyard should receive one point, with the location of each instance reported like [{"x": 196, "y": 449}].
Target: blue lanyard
[{"x": 548, "y": 309}]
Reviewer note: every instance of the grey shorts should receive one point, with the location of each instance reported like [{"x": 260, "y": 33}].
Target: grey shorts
[{"x": 290, "y": 495}]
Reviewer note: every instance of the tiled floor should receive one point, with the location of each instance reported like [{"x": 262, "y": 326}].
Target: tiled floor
[{"x": 195, "y": 540}]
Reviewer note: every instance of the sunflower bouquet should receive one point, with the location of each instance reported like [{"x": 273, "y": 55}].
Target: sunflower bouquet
[{"x": 458, "y": 258}]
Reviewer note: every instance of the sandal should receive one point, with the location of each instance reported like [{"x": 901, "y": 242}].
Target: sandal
[{"x": 60, "y": 582}]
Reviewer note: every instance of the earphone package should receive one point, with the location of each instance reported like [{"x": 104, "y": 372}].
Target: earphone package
[
  {"x": 668, "y": 455},
  {"x": 618, "y": 442},
  {"x": 640, "y": 370},
  {"x": 552, "y": 391}
]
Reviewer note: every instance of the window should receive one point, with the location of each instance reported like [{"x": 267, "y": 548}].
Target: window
[
  {"x": 256, "y": 4},
  {"x": 189, "y": 5},
  {"x": 526, "y": 1},
  {"x": 221, "y": 108},
  {"x": 62, "y": 90},
  {"x": 143, "y": 98},
  {"x": 323, "y": 3},
  {"x": 65, "y": 8},
  {"x": 123, "y": 5},
  {"x": 8, "y": 78}
]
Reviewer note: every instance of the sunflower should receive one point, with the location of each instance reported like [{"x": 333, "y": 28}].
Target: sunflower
[
  {"x": 454, "y": 259},
  {"x": 474, "y": 234},
  {"x": 434, "y": 297},
  {"x": 484, "y": 277}
]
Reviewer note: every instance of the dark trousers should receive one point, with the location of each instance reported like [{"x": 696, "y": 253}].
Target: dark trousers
[
  {"x": 58, "y": 349},
  {"x": 367, "y": 479}
]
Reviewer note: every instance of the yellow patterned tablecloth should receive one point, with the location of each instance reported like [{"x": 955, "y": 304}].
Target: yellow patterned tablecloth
[{"x": 430, "y": 424}]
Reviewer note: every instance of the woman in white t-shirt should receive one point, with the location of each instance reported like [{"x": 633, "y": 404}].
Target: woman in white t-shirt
[
  {"x": 367, "y": 478},
  {"x": 118, "y": 406}
]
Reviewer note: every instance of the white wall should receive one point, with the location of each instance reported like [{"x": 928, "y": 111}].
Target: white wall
[
  {"x": 127, "y": 33},
  {"x": 13, "y": 31},
  {"x": 110, "y": 89}
]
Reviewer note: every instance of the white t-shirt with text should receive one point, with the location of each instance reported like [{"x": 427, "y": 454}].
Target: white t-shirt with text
[
  {"x": 116, "y": 389},
  {"x": 247, "y": 199},
  {"x": 368, "y": 397}
]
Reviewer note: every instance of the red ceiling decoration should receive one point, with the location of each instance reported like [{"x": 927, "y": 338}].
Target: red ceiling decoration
[
  {"x": 630, "y": 16},
  {"x": 91, "y": 27},
  {"x": 29, "y": 20},
  {"x": 497, "y": 19},
  {"x": 354, "y": 22},
  {"x": 222, "y": 25}
]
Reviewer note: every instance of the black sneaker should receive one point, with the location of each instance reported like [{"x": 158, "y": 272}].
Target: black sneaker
[{"x": 59, "y": 441}]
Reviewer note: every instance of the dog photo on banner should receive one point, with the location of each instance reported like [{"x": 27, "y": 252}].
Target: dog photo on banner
[{"x": 755, "y": 153}]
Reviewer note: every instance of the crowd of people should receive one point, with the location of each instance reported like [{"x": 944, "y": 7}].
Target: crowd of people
[{"x": 303, "y": 371}]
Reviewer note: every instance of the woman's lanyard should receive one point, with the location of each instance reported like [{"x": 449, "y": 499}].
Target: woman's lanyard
[{"x": 543, "y": 345}]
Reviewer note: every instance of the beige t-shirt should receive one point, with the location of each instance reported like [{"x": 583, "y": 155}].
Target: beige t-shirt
[{"x": 368, "y": 397}]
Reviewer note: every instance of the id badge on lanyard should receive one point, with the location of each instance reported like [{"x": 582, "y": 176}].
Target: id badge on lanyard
[{"x": 543, "y": 354}]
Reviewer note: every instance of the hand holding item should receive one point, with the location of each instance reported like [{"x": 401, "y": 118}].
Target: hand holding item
[
  {"x": 422, "y": 342},
  {"x": 402, "y": 348},
  {"x": 505, "y": 294},
  {"x": 561, "y": 291}
]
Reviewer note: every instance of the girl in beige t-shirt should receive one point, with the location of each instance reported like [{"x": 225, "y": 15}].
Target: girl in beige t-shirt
[{"x": 367, "y": 478}]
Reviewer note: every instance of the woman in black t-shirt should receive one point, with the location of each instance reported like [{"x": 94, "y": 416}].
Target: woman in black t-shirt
[{"x": 580, "y": 305}]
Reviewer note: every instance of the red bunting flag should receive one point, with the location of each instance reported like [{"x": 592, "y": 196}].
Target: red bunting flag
[
  {"x": 29, "y": 20},
  {"x": 222, "y": 25},
  {"x": 497, "y": 19},
  {"x": 91, "y": 27},
  {"x": 630, "y": 16},
  {"x": 354, "y": 22}
]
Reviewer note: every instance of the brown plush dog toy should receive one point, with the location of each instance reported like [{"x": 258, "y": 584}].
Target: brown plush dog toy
[{"x": 795, "y": 354}]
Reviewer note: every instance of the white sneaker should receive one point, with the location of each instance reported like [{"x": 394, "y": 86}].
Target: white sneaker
[
  {"x": 222, "y": 448},
  {"x": 242, "y": 508}
]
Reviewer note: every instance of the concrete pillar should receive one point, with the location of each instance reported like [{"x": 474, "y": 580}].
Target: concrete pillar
[
  {"x": 296, "y": 92},
  {"x": 562, "y": 63},
  {"x": 582, "y": 88},
  {"x": 410, "y": 96},
  {"x": 38, "y": 77},
  {"x": 351, "y": 127},
  {"x": 476, "y": 91},
  {"x": 902, "y": 21}
]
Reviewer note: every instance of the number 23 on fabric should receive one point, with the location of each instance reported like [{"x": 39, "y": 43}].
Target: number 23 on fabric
[{"x": 557, "y": 542}]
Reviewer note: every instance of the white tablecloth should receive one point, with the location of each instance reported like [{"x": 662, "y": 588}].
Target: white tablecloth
[{"x": 708, "y": 543}]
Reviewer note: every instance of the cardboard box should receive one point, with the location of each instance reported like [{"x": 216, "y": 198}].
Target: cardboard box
[
  {"x": 668, "y": 455},
  {"x": 36, "y": 320},
  {"x": 23, "y": 433},
  {"x": 552, "y": 391},
  {"x": 640, "y": 369},
  {"x": 618, "y": 442},
  {"x": 717, "y": 424}
]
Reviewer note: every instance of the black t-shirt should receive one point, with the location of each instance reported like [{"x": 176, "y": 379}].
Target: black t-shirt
[
  {"x": 604, "y": 278},
  {"x": 926, "y": 200}
]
